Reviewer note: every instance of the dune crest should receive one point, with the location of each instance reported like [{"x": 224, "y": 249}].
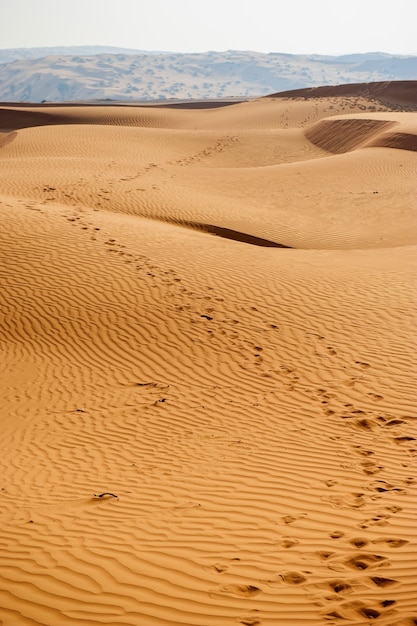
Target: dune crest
[{"x": 208, "y": 363}]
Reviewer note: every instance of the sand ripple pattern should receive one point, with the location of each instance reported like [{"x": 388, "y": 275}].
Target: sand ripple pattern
[{"x": 197, "y": 430}]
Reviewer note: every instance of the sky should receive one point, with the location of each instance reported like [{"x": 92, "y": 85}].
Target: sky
[{"x": 291, "y": 26}]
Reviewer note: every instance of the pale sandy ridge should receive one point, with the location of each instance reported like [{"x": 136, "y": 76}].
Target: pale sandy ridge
[{"x": 253, "y": 409}]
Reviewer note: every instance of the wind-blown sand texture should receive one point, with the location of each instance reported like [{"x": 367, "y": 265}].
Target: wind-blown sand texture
[{"x": 208, "y": 363}]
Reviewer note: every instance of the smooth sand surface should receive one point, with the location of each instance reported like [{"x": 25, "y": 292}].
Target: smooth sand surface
[{"x": 208, "y": 359}]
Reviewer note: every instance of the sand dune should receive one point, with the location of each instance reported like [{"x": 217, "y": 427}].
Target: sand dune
[
  {"x": 208, "y": 364},
  {"x": 395, "y": 93}
]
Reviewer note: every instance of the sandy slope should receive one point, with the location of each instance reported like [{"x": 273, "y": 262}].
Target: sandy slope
[{"x": 248, "y": 410}]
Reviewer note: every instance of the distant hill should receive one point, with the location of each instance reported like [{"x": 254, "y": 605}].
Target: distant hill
[
  {"x": 8, "y": 55},
  {"x": 96, "y": 73}
]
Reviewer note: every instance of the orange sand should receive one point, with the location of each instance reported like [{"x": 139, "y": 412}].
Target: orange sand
[{"x": 249, "y": 409}]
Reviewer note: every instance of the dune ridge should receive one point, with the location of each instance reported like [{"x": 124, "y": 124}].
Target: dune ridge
[
  {"x": 198, "y": 430},
  {"x": 395, "y": 93}
]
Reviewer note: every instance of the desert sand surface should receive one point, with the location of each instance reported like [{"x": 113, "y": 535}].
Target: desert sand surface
[{"x": 208, "y": 363}]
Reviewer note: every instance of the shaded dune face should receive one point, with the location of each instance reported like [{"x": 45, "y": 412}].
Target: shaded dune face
[
  {"x": 339, "y": 136},
  {"x": 343, "y": 135},
  {"x": 397, "y": 93},
  {"x": 207, "y": 362},
  {"x": 400, "y": 141},
  {"x": 234, "y": 235}
]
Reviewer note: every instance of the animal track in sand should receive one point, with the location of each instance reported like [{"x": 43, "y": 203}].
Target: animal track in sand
[
  {"x": 337, "y": 534},
  {"x": 362, "y": 452},
  {"x": 293, "y": 578},
  {"x": 395, "y": 422},
  {"x": 325, "y": 555},
  {"x": 375, "y": 396},
  {"x": 392, "y": 542},
  {"x": 380, "y": 519},
  {"x": 350, "y": 500},
  {"x": 379, "y": 581},
  {"x": 290, "y": 519},
  {"x": 405, "y": 439},
  {"x": 250, "y": 619},
  {"x": 365, "y": 560},
  {"x": 339, "y": 586},
  {"x": 381, "y": 486},
  {"x": 370, "y": 467},
  {"x": 364, "y": 424},
  {"x": 358, "y": 542},
  {"x": 340, "y": 610},
  {"x": 288, "y": 542},
  {"x": 362, "y": 365},
  {"x": 221, "y": 567},
  {"x": 394, "y": 509},
  {"x": 350, "y": 382},
  {"x": 351, "y": 610},
  {"x": 239, "y": 591}
]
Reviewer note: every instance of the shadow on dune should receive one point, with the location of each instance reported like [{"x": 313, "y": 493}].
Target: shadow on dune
[
  {"x": 401, "y": 141},
  {"x": 339, "y": 136},
  {"x": 398, "y": 93},
  {"x": 234, "y": 235},
  {"x": 11, "y": 119},
  {"x": 7, "y": 138}
]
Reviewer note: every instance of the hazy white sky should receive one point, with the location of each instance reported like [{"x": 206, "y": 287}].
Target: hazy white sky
[{"x": 292, "y": 26}]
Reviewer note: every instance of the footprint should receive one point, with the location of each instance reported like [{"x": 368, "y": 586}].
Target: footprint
[
  {"x": 364, "y": 561},
  {"x": 290, "y": 519},
  {"x": 381, "y": 486},
  {"x": 339, "y": 586},
  {"x": 362, "y": 451},
  {"x": 240, "y": 591},
  {"x": 364, "y": 424},
  {"x": 293, "y": 578},
  {"x": 358, "y": 542},
  {"x": 400, "y": 440},
  {"x": 380, "y": 519},
  {"x": 219, "y": 568},
  {"x": 383, "y": 582},
  {"x": 392, "y": 543},
  {"x": 288, "y": 542},
  {"x": 376, "y": 397},
  {"x": 250, "y": 619},
  {"x": 351, "y": 610},
  {"x": 369, "y": 612},
  {"x": 337, "y": 534},
  {"x": 394, "y": 509},
  {"x": 324, "y": 555},
  {"x": 371, "y": 467}
]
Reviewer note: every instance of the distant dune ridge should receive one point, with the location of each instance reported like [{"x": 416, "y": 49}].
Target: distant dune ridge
[
  {"x": 208, "y": 359},
  {"x": 86, "y": 73}
]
